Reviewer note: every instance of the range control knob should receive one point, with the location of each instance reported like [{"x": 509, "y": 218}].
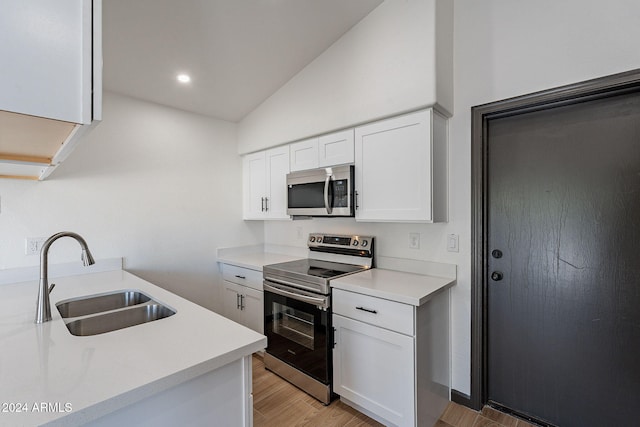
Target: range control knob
[
  {"x": 365, "y": 243},
  {"x": 356, "y": 243},
  {"x": 312, "y": 239}
]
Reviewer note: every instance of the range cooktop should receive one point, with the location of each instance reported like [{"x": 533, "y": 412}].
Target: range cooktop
[{"x": 314, "y": 274}]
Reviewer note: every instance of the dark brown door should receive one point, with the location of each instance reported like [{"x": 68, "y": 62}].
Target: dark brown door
[{"x": 563, "y": 263}]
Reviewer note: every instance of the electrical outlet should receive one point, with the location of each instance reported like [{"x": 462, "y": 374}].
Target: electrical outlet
[
  {"x": 414, "y": 240},
  {"x": 32, "y": 245}
]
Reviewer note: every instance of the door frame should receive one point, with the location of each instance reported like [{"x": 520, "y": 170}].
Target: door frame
[{"x": 602, "y": 87}]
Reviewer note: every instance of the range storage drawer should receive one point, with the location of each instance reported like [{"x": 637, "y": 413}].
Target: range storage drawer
[
  {"x": 242, "y": 276},
  {"x": 386, "y": 314}
]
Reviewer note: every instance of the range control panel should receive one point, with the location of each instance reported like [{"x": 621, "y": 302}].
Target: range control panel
[{"x": 361, "y": 244}]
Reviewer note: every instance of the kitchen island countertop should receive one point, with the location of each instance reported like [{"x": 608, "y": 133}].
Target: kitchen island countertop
[{"x": 48, "y": 375}]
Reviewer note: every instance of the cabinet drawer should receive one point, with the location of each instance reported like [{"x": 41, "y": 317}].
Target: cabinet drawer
[
  {"x": 387, "y": 314},
  {"x": 242, "y": 276}
]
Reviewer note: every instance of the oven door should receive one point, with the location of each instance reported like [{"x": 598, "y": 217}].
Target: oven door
[{"x": 297, "y": 325}]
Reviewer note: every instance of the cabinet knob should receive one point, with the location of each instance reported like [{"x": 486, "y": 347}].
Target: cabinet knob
[
  {"x": 496, "y": 253},
  {"x": 496, "y": 276}
]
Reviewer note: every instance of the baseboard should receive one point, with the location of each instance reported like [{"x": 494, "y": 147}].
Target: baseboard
[{"x": 461, "y": 399}]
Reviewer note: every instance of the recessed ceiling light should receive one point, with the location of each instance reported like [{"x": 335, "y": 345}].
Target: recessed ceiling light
[{"x": 183, "y": 78}]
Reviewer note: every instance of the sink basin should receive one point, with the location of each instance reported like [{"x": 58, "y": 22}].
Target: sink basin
[
  {"x": 97, "y": 314},
  {"x": 101, "y": 323},
  {"x": 97, "y": 304}
]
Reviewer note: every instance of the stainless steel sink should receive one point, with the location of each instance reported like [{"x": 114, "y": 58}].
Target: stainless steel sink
[
  {"x": 101, "y": 303},
  {"x": 98, "y": 314},
  {"x": 99, "y": 324}
]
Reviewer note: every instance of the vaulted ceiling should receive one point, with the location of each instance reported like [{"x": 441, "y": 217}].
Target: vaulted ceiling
[{"x": 237, "y": 52}]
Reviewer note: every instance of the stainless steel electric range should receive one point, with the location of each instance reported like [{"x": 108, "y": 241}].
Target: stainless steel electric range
[{"x": 297, "y": 309}]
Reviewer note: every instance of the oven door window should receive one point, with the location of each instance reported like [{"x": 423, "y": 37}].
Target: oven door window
[
  {"x": 297, "y": 334},
  {"x": 294, "y": 325}
]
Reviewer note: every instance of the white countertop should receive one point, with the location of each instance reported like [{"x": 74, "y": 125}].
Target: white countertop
[
  {"x": 95, "y": 375},
  {"x": 407, "y": 288},
  {"x": 256, "y": 260}
]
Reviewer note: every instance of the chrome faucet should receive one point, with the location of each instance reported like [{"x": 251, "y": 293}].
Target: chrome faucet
[{"x": 43, "y": 308}]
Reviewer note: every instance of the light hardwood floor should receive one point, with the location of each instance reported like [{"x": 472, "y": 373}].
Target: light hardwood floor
[
  {"x": 276, "y": 403},
  {"x": 459, "y": 416}
]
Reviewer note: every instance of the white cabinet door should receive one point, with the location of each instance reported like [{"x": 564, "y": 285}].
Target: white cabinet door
[
  {"x": 253, "y": 309},
  {"x": 327, "y": 150},
  {"x": 277, "y": 168},
  {"x": 264, "y": 181},
  {"x": 231, "y": 302},
  {"x": 243, "y": 305},
  {"x": 47, "y": 60},
  {"x": 254, "y": 185},
  {"x": 374, "y": 368},
  {"x": 336, "y": 148},
  {"x": 401, "y": 169},
  {"x": 304, "y": 154}
]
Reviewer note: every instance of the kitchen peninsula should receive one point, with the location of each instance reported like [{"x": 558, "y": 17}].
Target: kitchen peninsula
[{"x": 193, "y": 367}]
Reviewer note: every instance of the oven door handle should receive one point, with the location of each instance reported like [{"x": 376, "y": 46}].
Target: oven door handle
[{"x": 304, "y": 298}]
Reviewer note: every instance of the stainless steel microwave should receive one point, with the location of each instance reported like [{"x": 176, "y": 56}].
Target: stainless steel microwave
[{"x": 321, "y": 192}]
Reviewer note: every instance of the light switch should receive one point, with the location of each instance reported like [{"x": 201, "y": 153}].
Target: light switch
[{"x": 452, "y": 242}]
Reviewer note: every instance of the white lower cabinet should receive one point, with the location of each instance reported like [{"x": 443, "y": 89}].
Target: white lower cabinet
[
  {"x": 391, "y": 360},
  {"x": 373, "y": 367},
  {"x": 243, "y": 298}
]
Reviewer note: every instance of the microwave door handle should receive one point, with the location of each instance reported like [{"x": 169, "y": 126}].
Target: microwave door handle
[{"x": 327, "y": 205}]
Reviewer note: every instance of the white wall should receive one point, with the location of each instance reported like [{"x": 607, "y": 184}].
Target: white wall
[
  {"x": 157, "y": 186},
  {"x": 506, "y": 48},
  {"x": 385, "y": 64},
  {"x": 503, "y": 48}
]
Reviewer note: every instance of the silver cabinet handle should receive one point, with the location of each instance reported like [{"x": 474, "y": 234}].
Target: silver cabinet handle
[
  {"x": 241, "y": 302},
  {"x": 238, "y": 301},
  {"x": 266, "y": 204},
  {"x": 356, "y": 200},
  {"x": 367, "y": 310},
  {"x": 240, "y": 277},
  {"x": 261, "y": 204}
]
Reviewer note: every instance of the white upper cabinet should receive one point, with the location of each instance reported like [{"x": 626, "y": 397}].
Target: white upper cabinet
[
  {"x": 254, "y": 185},
  {"x": 304, "y": 154},
  {"x": 326, "y": 150},
  {"x": 50, "y": 81},
  {"x": 401, "y": 169},
  {"x": 335, "y": 148},
  {"x": 265, "y": 184},
  {"x": 47, "y": 58}
]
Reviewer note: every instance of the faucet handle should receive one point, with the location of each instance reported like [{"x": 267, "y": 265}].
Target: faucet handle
[{"x": 53, "y": 285}]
